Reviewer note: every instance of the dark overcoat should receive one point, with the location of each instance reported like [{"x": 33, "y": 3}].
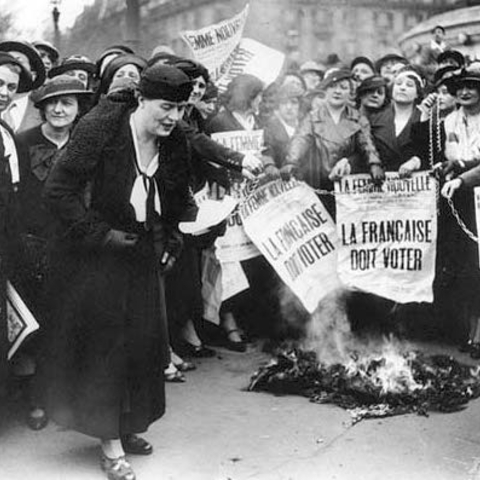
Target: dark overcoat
[
  {"x": 9, "y": 245},
  {"x": 107, "y": 344}
]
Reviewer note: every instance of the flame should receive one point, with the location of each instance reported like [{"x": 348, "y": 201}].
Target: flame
[
  {"x": 384, "y": 363},
  {"x": 390, "y": 370}
]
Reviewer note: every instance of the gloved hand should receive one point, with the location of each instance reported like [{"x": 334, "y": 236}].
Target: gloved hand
[
  {"x": 168, "y": 246},
  {"x": 377, "y": 173},
  {"x": 119, "y": 240},
  {"x": 288, "y": 171}
]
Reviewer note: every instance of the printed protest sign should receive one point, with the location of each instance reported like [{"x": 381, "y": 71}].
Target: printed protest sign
[
  {"x": 21, "y": 322},
  {"x": 235, "y": 245},
  {"x": 254, "y": 58},
  {"x": 223, "y": 51},
  {"x": 388, "y": 235},
  {"x": 295, "y": 233},
  {"x": 215, "y": 46}
]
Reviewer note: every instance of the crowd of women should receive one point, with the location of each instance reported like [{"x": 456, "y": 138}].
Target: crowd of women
[{"x": 100, "y": 162}]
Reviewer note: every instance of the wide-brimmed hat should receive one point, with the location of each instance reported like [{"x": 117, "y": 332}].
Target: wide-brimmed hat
[
  {"x": 335, "y": 75},
  {"x": 49, "y": 48},
  {"x": 115, "y": 65},
  {"x": 443, "y": 74},
  {"x": 112, "y": 50},
  {"x": 59, "y": 86},
  {"x": 36, "y": 62},
  {"x": 75, "y": 62},
  {"x": 390, "y": 57},
  {"x": 25, "y": 83},
  {"x": 362, "y": 60},
  {"x": 455, "y": 55},
  {"x": 462, "y": 76},
  {"x": 370, "y": 84}
]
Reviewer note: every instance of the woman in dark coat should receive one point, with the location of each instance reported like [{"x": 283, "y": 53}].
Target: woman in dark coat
[
  {"x": 392, "y": 126},
  {"x": 12, "y": 73},
  {"x": 108, "y": 343},
  {"x": 61, "y": 101}
]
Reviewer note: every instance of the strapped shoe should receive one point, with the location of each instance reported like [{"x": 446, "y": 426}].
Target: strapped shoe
[
  {"x": 117, "y": 468},
  {"x": 136, "y": 445}
]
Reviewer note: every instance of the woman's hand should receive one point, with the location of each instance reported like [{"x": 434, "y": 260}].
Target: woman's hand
[
  {"x": 377, "y": 173},
  {"x": 272, "y": 172},
  {"x": 452, "y": 168},
  {"x": 251, "y": 166},
  {"x": 119, "y": 240},
  {"x": 340, "y": 169},
  {"x": 426, "y": 106},
  {"x": 288, "y": 171},
  {"x": 451, "y": 187},
  {"x": 406, "y": 169}
]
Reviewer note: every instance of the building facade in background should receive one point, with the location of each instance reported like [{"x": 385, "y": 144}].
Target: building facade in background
[{"x": 303, "y": 29}]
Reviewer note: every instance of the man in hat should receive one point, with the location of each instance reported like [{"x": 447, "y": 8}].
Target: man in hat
[
  {"x": 21, "y": 113},
  {"x": 13, "y": 78}
]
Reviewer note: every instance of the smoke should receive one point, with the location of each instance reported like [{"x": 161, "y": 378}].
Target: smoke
[{"x": 328, "y": 331}]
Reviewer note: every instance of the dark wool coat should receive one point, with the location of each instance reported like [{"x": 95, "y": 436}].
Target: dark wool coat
[
  {"x": 107, "y": 347},
  {"x": 393, "y": 150},
  {"x": 9, "y": 243}
]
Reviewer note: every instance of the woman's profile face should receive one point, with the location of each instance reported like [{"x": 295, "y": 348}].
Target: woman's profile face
[
  {"x": 468, "y": 94},
  {"x": 338, "y": 94},
  {"x": 255, "y": 104},
  {"x": 444, "y": 99},
  {"x": 404, "y": 90},
  {"x": 127, "y": 71}
]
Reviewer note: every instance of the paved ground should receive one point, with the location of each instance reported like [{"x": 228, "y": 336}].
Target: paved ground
[{"x": 214, "y": 430}]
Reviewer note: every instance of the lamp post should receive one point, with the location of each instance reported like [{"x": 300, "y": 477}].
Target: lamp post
[{"x": 56, "y": 16}]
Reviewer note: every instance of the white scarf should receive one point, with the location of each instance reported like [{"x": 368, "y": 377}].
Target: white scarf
[
  {"x": 462, "y": 137},
  {"x": 139, "y": 195}
]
